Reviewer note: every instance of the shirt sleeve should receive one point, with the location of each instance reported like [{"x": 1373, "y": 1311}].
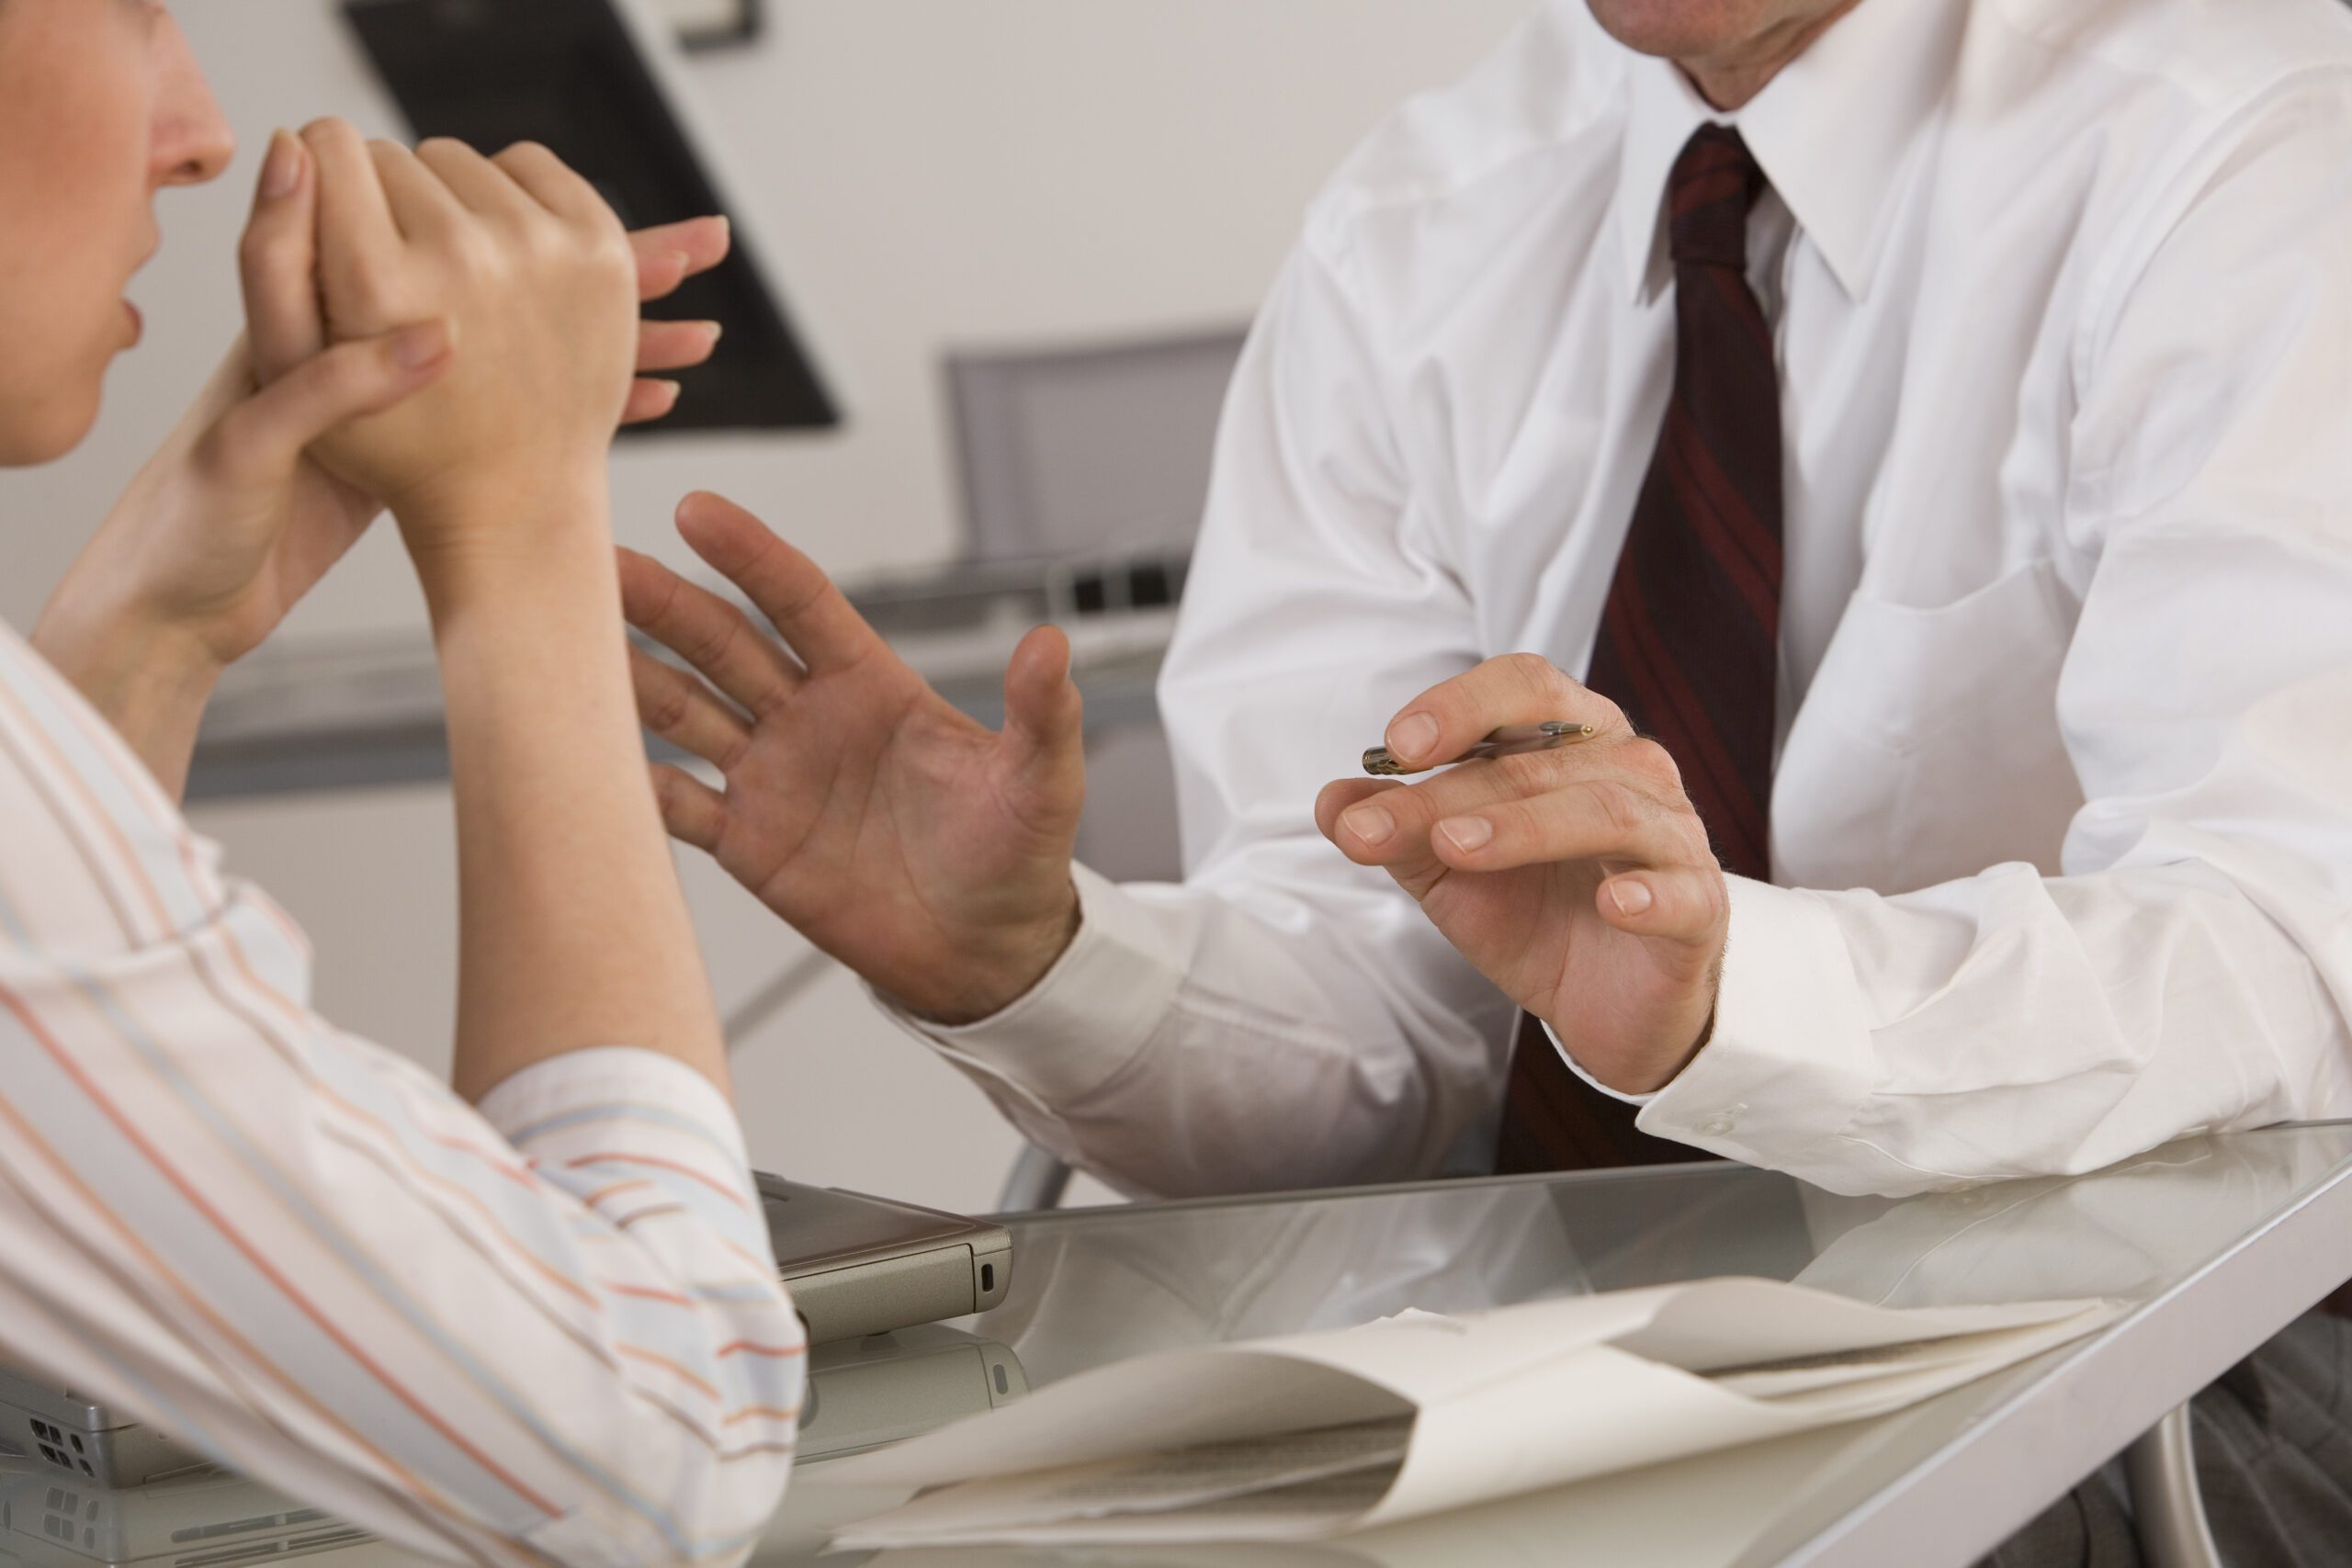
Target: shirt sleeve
[
  {"x": 1620, "y": 1096},
  {"x": 550, "y": 1330},
  {"x": 2192, "y": 968},
  {"x": 1284, "y": 1017}
]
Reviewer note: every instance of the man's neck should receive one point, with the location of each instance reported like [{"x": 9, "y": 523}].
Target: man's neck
[{"x": 1730, "y": 79}]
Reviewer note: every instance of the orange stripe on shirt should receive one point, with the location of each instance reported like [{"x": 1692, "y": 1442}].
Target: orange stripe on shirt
[
  {"x": 653, "y": 1358},
  {"x": 262, "y": 1265},
  {"x": 657, "y": 1163},
  {"x": 39, "y": 780},
  {"x": 129, "y": 858},
  {"x": 745, "y": 1347},
  {"x": 28, "y": 1136}
]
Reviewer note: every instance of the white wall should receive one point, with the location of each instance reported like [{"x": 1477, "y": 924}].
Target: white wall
[{"x": 929, "y": 173}]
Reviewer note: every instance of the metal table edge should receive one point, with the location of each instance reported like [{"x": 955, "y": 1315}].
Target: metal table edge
[{"x": 2207, "y": 1325}]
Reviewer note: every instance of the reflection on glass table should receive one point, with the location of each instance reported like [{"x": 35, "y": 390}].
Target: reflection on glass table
[
  {"x": 208, "y": 1521},
  {"x": 1093, "y": 1287},
  {"x": 2218, "y": 1242},
  {"x": 865, "y": 1393}
]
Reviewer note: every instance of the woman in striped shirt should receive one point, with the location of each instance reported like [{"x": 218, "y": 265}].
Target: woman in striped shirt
[{"x": 530, "y": 1317}]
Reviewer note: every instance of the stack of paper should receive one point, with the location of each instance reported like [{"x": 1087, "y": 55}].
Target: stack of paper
[{"x": 1313, "y": 1435}]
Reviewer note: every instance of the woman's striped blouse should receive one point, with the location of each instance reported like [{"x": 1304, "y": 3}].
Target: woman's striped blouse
[{"x": 546, "y": 1330}]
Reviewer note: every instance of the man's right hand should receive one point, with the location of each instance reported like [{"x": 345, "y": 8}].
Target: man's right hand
[{"x": 927, "y": 853}]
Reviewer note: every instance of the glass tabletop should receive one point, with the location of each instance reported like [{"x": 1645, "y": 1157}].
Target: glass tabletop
[{"x": 1096, "y": 1286}]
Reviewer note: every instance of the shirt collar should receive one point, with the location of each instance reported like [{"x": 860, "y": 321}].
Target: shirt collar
[{"x": 1832, "y": 130}]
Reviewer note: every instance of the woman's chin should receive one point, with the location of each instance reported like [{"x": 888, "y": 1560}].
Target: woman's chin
[{"x": 43, "y": 425}]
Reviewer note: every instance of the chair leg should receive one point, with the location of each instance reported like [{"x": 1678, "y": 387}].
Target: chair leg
[
  {"x": 2166, "y": 1508},
  {"x": 1038, "y": 1182}
]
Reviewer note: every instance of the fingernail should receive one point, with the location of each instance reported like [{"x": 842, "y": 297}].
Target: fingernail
[
  {"x": 672, "y": 391},
  {"x": 417, "y": 348},
  {"x": 718, "y": 331},
  {"x": 1468, "y": 834},
  {"x": 283, "y": 171},
  {"x": 1632, "y": 898},
  {"x": 1413, "y": 736},
  {"x": 1370, "y": 824}
]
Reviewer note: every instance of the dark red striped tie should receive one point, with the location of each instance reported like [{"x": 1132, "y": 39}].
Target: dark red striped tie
[{"x": 1689, "y": 639}]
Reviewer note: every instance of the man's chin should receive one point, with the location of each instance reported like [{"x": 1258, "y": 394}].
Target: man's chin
[{"x": 1685, "y": 29}]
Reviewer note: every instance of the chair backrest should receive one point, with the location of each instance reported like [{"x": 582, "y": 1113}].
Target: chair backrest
[{"x": 1096, "y": 451}]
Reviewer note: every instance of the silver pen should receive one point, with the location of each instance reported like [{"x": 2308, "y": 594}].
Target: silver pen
[{"x": 1511, "y": 742}]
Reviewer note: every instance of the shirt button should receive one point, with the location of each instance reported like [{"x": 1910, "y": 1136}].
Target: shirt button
[{"x": 1722, "y": 1122}]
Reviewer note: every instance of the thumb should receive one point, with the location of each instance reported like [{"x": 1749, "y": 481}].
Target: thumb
[
  {"x": 1044, "y": 715},
  {"x": 269, "y": 431}
]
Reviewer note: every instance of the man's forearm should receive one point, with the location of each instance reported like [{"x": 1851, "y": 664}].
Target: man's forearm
[
  {"x": 149, "y": 681},
  {"x": 574, "y": 930}
]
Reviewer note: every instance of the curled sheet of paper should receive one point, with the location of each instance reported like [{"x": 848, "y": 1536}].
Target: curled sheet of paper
[
  {"x": 1330, "y": 1470},
  {"x": 1316, "y": 1435}
]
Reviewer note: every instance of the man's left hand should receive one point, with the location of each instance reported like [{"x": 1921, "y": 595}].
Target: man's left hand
[{"x": 1580, "y": 880}]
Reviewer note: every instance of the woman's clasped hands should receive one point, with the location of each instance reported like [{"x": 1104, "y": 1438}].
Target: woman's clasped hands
[
  {"x": 524, "y": 272},
  {"x": 431, "y": 330}
]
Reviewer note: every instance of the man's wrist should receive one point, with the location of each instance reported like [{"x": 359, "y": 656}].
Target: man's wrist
[
  {"x": 1648, "y": 1072},
  {"x": 1641, "y": 1079},
  {"x": 977, "y": 989},
  {"x": 1683, "y": 1065}
]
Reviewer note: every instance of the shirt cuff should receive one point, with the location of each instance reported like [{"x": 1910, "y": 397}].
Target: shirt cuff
[
  {"x": 1788, "y": 1064},
  {"x": 561, "y": 1098},
  {"x": 1561, "y": 1047},
  {"x": 1087, "y": 1018}
]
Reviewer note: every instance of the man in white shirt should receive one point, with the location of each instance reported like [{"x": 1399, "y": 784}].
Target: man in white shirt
[
  {"x": 1927, "y": 423},
  {"x": 2059, "y": 294}
]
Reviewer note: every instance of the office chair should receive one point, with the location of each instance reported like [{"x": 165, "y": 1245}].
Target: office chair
[{"x": 1097, "y": 450}]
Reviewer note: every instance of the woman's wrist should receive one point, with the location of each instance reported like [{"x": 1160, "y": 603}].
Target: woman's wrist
[
  {"x": 482, "y": 544},
  {"x": 148, "y": 676}
]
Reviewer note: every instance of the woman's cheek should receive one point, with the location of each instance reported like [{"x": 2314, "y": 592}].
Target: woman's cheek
[{"x": 76, "y": 213}]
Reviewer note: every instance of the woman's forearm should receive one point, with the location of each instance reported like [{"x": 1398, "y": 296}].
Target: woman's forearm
[
  {"x": 149, "y": 680},
  {"x": 573, "y": 928}
]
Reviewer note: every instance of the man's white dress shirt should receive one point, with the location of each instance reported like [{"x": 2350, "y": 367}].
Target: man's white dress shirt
[
  {"x": 2062, "y": 823},
  {"x": 546, "y": 1332}
]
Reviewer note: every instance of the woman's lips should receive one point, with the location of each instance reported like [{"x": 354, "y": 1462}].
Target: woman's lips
[{"x": 138, "y": 321}]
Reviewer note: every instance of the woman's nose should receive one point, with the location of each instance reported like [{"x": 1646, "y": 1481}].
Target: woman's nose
[{"x": 193, "y": 144}]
